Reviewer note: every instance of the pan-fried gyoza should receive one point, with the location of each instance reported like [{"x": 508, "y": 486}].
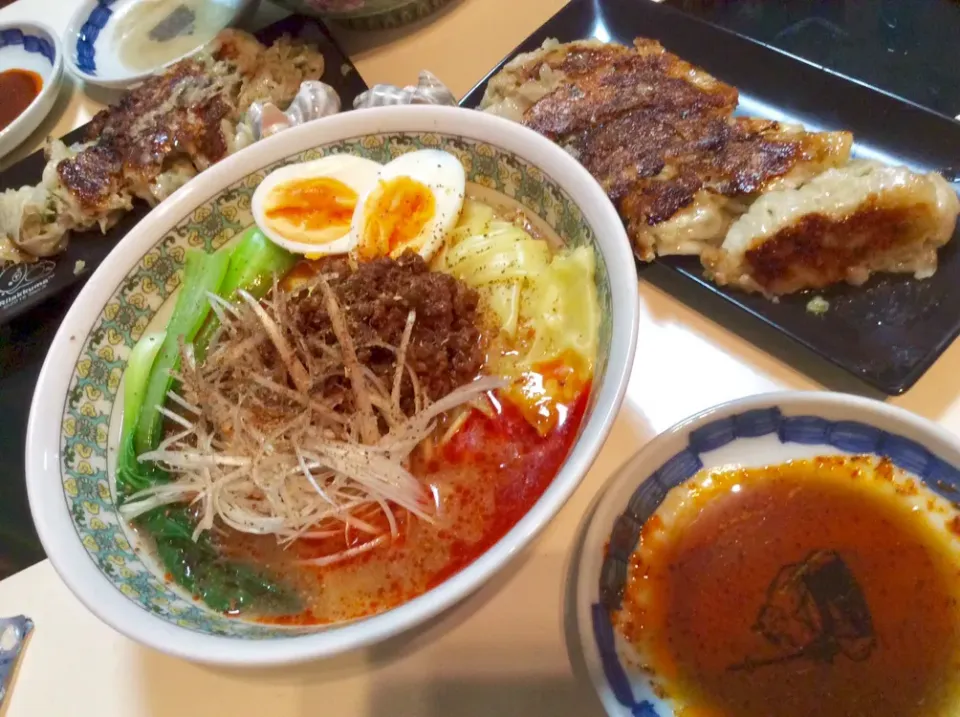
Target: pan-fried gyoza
[
  {"x": 768, "y": 206},
  {"x": 162, "y": 133}
]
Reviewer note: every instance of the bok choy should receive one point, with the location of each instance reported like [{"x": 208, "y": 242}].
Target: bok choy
[
  {"x": 195, "y": 564},
  {"x": 254, "y": 264}
]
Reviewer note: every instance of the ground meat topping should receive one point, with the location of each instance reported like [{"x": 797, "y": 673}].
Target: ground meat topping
[{"x": 445, "y": 349}]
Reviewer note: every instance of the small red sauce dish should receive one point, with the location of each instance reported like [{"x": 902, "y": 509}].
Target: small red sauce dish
[
  {"x": 788, "y": 553},
  {"x": 31, "y": 71},
  {"x": 19, "y": 88}
]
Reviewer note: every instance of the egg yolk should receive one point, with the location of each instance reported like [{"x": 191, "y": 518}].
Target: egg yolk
[
  {"x": 395, "y": 213},
  {"x": 314, "y": 203}
]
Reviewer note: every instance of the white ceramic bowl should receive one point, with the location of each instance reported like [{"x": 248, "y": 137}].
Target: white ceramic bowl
[
  {"x": 75, "y": 415},
  {"x": 753, "y": 432},
  {"x": 92, "y": 55},
  {"x": 35, "y": 47}
]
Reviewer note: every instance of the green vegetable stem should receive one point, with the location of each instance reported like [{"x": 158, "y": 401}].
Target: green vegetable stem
[
  {"x": 254, "y": 263},
  {"x": 196, "y": 565},
  {"x": 133, "y": 476},
  {"x": 203, "y": 273}
]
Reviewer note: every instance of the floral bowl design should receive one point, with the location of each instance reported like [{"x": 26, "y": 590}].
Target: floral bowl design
[
  {"x": 75, "y": 417},
  {"x": 366, "y": 14}
]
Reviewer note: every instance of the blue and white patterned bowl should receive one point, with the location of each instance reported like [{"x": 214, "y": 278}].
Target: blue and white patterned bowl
[
  {"x": 762, "y": 430},
  {"x": 34, "y": 47},
  {"x": 75, "y": 416},
  {"x": 90, "y": 50}
]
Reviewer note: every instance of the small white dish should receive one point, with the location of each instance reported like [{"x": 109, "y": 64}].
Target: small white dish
[
  {"x": 34, "y": 47},
  {"x": 95, "y": 55},
  {"x": 753, "y": 432}
]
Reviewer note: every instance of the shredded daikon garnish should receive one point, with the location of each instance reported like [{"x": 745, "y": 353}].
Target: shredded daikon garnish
[
  {"x": 344, "y": 554},
  {"x": 401, "y": 359},
  {"x": 283, "y": 433}
]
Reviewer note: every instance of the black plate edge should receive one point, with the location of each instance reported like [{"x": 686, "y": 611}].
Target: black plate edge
[{"x": 889, "y": 388}]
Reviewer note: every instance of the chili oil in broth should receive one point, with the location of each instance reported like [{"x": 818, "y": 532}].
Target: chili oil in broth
[
  {"x": 825, "y": 586},
  {"x": 485, "y": 479}
]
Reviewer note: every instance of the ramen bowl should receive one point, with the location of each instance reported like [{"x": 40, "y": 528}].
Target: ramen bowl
[
  {"x": 753, "y": 435},
  {"x": 75, "y": 416}
]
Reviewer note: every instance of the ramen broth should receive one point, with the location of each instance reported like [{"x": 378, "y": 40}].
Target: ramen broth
[
  {"x": 818, "y": 587},
  {"x": 486, "y": 478}
]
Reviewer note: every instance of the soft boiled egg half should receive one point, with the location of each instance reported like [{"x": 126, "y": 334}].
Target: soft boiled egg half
[
  {"x": 307, "y": 208},
  {"x": 414, "y": 203}
]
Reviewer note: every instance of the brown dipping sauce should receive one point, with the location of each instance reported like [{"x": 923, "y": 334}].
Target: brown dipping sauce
[
  {"x": 808, "y": 588},
  {"x": 18, "y": 88}
]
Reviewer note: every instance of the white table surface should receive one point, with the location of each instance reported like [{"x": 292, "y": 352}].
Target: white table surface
[{"x": 501, "y": 652}]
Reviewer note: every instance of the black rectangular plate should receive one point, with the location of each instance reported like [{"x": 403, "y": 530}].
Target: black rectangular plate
[
  {"x": 25, "y": 286},
  {"x": 25, "y": 339},
  {"x": 872, "y": 40},
  {"x": 887, "y": 332}
]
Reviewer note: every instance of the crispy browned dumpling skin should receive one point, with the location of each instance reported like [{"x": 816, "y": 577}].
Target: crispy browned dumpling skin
[
  {"x": 841, "y": 226},
  {"x": 135, "y": 140},
  {"x": 573, "y": 59},
  {"x": 727, "y": 157},
  {"x": 819, "y": 250},
  {"x": 653, "y": 166},
  {"x": 659, "y": 134},
  {"x": 604, "y": 85},
  {"x": 768, "y": 207},
  {"x": 160, "y": 135}
]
